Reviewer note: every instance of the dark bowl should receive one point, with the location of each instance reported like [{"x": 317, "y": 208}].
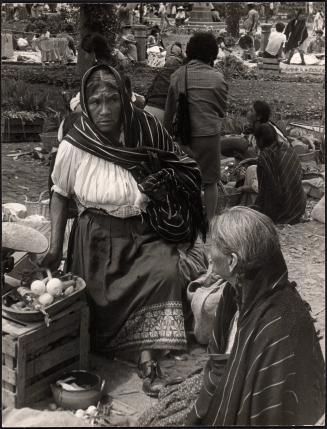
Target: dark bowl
[{"x": 76, "y": 399}]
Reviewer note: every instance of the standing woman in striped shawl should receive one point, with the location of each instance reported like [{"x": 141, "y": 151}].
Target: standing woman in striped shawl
[{"x": 138, "y": 197}]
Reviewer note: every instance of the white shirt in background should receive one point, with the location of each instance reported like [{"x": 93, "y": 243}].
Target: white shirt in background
[{"x": 276, "y": 40}]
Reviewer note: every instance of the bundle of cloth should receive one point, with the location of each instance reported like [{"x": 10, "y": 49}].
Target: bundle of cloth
[{"x": 52, "y": 49}]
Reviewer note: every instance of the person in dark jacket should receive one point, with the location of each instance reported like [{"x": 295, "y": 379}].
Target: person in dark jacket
[
  {"x": 207, "y": 102},
  {"x": 297, "y": 34}
]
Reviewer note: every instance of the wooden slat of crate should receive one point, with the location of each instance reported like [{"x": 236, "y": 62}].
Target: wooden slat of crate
[
  {"x": 15, "y": 329},
  {"x": 66, "y": 323},
  {"x": 266, "y": 65},
  {"x": 270, "y": 61},
  {"x": 270, "y": 67},
  {"x": 55, "y": 330},
  {"x": 39, "y": 390},
  {"x": 8, "y": 375},
  {"x": 8, "y": 398},
  {"x": 264, "y": 72},
  {"x": 9, "y": 348},
  {"x": 21, "y": 375},
  {"x": 60, "y": 333},
  {"x": 84, "y": 338},
  {"x": 51, "y": 358}
]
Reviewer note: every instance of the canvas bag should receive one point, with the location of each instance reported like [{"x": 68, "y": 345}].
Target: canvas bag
[
  {"x": 181, "y": 121},
  {"x": 204, "y": 295}
]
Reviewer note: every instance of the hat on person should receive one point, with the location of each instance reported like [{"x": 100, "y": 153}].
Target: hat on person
[
  {"x": 23, "y": 238},
  {"x": 180, "y": 8},
  {"x": 129, "y": 38},
  {"x": 250, "y": 3}
]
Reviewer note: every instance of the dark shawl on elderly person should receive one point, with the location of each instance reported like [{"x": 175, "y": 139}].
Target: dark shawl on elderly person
[
  {"x": 296, "y": 32},
  {"x": 170, "y": 178},
  {"x": 275, "y": 373},
  {"x": 281, "y": 195}
]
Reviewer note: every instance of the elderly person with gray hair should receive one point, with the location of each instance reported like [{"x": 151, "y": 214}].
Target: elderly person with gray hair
[{"x": 265, "y": 363}]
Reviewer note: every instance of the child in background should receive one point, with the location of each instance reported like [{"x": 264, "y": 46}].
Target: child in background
[{"x": 317, "y": 45}]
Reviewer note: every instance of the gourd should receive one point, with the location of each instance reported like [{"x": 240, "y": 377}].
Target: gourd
[
  {"x": 38, "y": 287},
  {"x": 46, "y": 299}
]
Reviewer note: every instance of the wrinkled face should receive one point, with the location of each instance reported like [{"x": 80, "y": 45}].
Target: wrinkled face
[
  {"x": 221, "y": 263},
  {"x": 104, "y": 105}
]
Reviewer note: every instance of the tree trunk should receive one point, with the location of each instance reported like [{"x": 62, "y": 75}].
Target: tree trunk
[
  {"x": 84, "y": 59},
  {"x": 141, "y": 13},
  {"x": 233, "y": 13},
  {"x": 100, "y": 18}
]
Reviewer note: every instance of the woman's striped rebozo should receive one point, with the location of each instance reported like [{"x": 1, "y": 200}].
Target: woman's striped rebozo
[{"x": 148, "y": 149}]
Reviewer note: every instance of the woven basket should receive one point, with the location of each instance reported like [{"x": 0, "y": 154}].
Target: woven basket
[
  {"x": 227, "y": 197},
  {"x": 49, "y": 140},
  {"x": 38, "y": 207}
]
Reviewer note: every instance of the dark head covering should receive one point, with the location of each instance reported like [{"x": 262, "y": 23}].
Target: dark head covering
[{"x": 153, "y": 159}]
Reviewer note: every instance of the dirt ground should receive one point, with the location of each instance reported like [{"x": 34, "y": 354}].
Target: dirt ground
[
  {"x": 298, "y": 102},
  {"x": 303, "y": 244}
]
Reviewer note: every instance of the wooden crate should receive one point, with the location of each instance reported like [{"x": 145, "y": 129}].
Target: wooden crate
[
  {"x": 268, "y": 66},
  {"x": 33, "y": 356}
]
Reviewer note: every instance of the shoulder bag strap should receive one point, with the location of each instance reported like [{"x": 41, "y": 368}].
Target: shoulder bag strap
[{"x": 185, "y": 85}]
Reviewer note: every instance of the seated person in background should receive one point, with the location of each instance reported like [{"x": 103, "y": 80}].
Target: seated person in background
[
  {"x": 276, "y": 42},
  {"x": 244, "y": 146},
  {"x": 265, "y": 366},
  {"x": 280, "y": 191},
  {"x": 127, "y": 51},
  {"x": 174, "y": 55},
  {"x": 157, "y": 93},
  {"x": 319, "y": 21},
  {"x": 317, "y": 45},
  {"x": 215, "y": 15},
  {"x": 69, "y": 29},
  {"x": 180, "y": 16},
  {"x": 153, "y": 38},
  {"x": 221, "y": 44}
]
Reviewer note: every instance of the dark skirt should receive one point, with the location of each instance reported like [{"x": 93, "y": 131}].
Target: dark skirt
[
  {"x": 134, "y": 285},
  {"x": 206, "y": 152}
]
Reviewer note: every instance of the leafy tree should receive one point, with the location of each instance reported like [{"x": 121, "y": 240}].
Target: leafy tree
[{"x": 233, "y": 12}]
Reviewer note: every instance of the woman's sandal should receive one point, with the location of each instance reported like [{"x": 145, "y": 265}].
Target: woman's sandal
[{"x": 153, "y": 380}]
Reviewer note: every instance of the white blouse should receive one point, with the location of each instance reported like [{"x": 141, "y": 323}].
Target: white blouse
[{"x": 96, "y": 183}]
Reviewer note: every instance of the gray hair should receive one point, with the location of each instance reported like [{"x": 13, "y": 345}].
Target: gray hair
[{"x": 249, "y": 234}]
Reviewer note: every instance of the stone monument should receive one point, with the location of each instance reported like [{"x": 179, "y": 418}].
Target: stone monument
[
  {"x": 7, "y": 49},
  {"x": 201, "y": 12},
  {"x": 265, "y": 33}
]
